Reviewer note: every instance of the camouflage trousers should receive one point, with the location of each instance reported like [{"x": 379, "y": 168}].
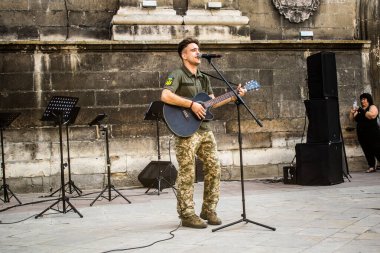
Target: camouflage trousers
[{"x": 202, "y": 144}]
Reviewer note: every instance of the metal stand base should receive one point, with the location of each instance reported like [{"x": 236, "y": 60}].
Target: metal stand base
[
  {"x": 109, "y": 188},
  {"x": 69, "y": 186},
  {"x": 7, "y": 196},
  {"x": 159, "y": 189},
  {"x": 243, "y": 220},
  {"x": 65, "y": 201}
]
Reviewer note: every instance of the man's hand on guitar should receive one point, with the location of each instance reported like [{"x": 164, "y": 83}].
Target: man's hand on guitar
[{"x": 198, "y": 110}]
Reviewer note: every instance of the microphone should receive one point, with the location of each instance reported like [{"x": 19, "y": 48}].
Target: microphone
[{"x": 209, "y": 56}]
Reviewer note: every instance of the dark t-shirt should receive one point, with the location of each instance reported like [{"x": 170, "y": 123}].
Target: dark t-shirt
[
  {"x": 365, "y": 126},
  {"x": 185, "y": 84}
]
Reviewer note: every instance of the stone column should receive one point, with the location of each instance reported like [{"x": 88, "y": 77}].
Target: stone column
[
  {"x": 133, "y": 22},
  {"x": 225, "y": 23}
]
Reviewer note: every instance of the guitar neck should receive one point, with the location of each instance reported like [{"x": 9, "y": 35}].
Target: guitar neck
[{"x": 219, "y": 99}]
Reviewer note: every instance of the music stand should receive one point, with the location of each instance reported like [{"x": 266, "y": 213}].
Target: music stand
[
  {"x": 59, "y": 109},
  {"x": 155, "y": 113},
  {"x": 70, "y": 185},
  {"x": 5, "y": 120},
  {"x": 98, "y": 121}
]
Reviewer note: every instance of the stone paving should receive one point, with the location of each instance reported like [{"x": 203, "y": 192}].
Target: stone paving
[{"x": 337, "y": 218}]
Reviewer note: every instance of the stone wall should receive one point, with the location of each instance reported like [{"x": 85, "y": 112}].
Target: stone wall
[
  {"x": 368, "y": 16},
  {"x": 56, "y": 19},
  {"x": 91, "y": 19},
  {"x": 121, "y": 79},
  {"x": 64, "y": 47}
]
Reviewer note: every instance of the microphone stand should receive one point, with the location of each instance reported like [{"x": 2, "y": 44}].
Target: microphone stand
[{"x": 239, "y": 102}]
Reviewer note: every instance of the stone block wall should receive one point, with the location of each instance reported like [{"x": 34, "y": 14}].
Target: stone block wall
[
  {"x": 91, "y": 19},
  {"x": 122, "y": 79},
  {"x": 334, "y": 19},
  {"x": 56, "y": 19}
]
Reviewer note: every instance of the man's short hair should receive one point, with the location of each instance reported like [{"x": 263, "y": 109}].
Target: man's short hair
[{"x": 184, "y": 43}]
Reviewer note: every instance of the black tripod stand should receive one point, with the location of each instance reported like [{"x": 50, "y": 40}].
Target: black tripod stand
[
  {"x": 70, "y": 186},
  {"x": 5, "y": 120},
  {"x": 109, "y": 186},
  {"x": 155, "y": 113},
  {"x": 239, "y": 102},
  {"x": 57, "y": 110}
]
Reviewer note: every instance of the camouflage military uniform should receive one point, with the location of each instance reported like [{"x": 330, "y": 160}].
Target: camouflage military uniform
[{"x": 202, "y": 143}]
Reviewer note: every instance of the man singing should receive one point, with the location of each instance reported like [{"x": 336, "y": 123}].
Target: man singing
[{"x": 182, "y": 85}]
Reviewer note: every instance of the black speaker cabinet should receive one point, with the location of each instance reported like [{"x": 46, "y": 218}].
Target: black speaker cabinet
[
  {"x": 323, "y": 116},
  {"x": 149, "y": 175},
  {"x": 322, "y": 79},
  {"x": 319, "y": 164}
]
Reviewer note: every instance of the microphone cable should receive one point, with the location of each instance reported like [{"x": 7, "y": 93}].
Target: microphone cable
[
  {"x": 29, "y": 203},
  {"x": 151, "y": 244},
  {"x": 146, "y": 246}
]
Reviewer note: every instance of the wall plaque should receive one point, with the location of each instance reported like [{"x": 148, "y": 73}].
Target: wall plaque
[{"x": 296, "y": 11}]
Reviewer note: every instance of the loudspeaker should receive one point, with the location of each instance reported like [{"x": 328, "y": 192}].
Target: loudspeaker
[
  {"x": 322, "y": 79},
  {"x": 323, "y": 116},
  {"x": 149, "y": 175},
  {"x": 319, "y": 164}
]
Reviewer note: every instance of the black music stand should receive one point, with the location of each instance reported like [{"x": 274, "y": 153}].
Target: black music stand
[
  {"x": 98, "y": 121},
  {"x": 70, "y": 185},
  {"x": 155, "y": 113},
  {"x": 59, "y": 109},
  {"x": 5, "y": 120}
]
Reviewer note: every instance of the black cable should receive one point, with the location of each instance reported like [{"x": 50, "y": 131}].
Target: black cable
[
  {"x": 25, "y": 204},
  {"x": 7, "y": 223},
  {"x": 145, "y": 246},
  {"x": 83, "y": 195},
  {"x": 30, "y": 203}
]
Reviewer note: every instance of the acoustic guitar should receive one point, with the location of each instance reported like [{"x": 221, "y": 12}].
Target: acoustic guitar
[{"x": 183, "y": 122}]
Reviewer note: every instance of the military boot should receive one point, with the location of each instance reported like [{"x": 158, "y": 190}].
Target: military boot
[
  {"x": 193, "y": 221},
  {"x": 211, "y": 217}
]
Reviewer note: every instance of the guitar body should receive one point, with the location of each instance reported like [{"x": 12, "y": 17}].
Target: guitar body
[{"x": 182, "y": 121}]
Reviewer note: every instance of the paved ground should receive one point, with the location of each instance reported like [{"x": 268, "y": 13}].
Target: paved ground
[{"x": 338, "y": 218}]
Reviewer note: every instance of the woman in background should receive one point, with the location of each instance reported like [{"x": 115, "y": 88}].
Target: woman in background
[{"x": 367, "y": 129}]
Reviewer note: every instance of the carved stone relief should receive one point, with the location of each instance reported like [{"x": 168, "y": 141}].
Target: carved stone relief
[{"x": 296, "y": 11}]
